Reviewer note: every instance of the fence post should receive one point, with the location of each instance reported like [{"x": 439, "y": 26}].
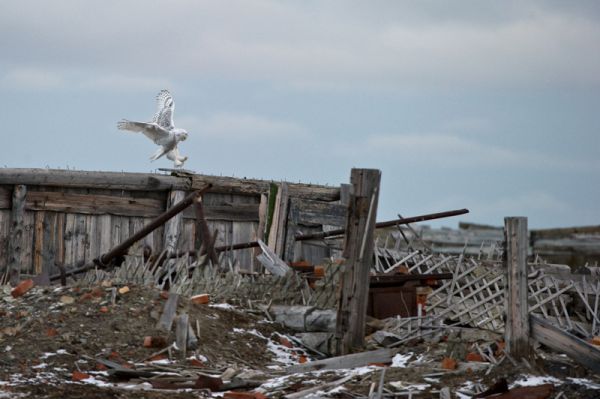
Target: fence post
[
  {"x": 358, "y": 252},
  {"x": 516, "y": 332}
]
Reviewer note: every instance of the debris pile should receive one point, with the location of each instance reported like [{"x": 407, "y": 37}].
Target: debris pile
[{"x": 86, "y": 341}]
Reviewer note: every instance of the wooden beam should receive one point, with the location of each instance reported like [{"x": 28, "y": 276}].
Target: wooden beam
[
  {"x": 93, "y": 204},
  {"x": 577, "y": 349},
  {"x": 85, "y": 179},
  {"x": 517, "y": 309},
  {"x": 231, "y": 185},
  {"x": 16, "y": 234},
  {"x": 358, "y": 251}
]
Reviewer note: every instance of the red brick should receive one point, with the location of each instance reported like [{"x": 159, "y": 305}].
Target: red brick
[
  {"x": 103, "y": 309},
  {"x": 22, "y": 288},
  {"x": 205, "y": 381},
  {"x": 285, "y": 342},
  {"x": 51, "y": 332},
  {"x": 448, "y": 363},
  {"x": 474, "y": 357},
  {"x": 78, "y": 376},
  {"x": 200, "y": 299},
  {"x": 164, "y": 294},
  {"x": 155, "y": 342},
  {"x": 596, "y": 340},
  {"x": 319, "y": 271},
  {"x": 196, "y": 362}
]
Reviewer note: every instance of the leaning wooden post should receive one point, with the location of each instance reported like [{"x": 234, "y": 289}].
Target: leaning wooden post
[
  {"x": 516, "y": 332},
  {"x": 358, "y": 252}
]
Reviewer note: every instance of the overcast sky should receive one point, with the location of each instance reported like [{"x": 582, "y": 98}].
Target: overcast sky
[{"x": 492, "y": 106}]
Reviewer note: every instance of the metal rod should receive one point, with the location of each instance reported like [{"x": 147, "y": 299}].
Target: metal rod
[{"x": 390, "y": 223}]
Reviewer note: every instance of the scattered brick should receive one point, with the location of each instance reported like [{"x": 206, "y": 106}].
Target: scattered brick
[
  {"x": 596, "y": 340},
  {"x": 104, "y": 309},
  {"x": 319, "y": 271},
  {"x": 22, "y": 288},
  {"x": 79, "y": 376},
  {"x": 196, "y": 362},
  {"x": 200, "y": 299},
  {"x": 285, "y": 342},
  {"x": 101, "y": 367},
  {"x": 302, "y": 359},
  {"x": 51, "y": 332},
  {"x": 474, "y": 357},
  {"x": 86, "y": 297},
  {"x": 155, "y": 342},
  {"x": 124, "y": 290},
  {"x": 164, "y": 294},
  {"x": 448, "y": 363},
  {"x": 158, "y": 357},
  {"x": 98, "y": 292}
]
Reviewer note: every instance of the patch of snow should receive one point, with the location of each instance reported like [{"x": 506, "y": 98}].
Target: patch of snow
[
  {"x": 222, "y": 306},
  {"x": 99, "y": 383},
  {"x": 585, "y": 382},
  {"x": 532, "y": 380},
  {"x": 401, "y": 360},
  {"x": 404, "y": 386},
  {"x": 432, "y": 380},
  {"x": 40, "y": 366}
]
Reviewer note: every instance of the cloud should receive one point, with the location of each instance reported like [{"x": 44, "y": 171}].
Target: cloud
[
  {"x": 449, "y": 150},
  {"x": 307, "y": 44},
  {"x": 123, "y": 83},
  {"x": 229, "y": 126},
  {"x": 27, "y": 78}
]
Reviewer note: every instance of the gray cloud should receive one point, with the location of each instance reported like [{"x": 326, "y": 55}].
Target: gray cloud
[{"x": 314, "y": 43}]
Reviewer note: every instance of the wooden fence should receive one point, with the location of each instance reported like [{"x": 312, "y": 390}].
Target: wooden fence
[{"x": 64, "y": 217}]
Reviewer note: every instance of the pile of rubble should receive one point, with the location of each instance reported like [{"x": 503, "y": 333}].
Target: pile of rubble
[{"x": 115, "y": 340}]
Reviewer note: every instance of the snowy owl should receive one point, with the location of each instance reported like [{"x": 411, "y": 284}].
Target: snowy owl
[{"x": 161, "y": 130}]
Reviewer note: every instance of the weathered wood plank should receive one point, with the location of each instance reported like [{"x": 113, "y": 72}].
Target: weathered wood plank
[
  {"x": 358, "y": 250},
  {"x": 227, "y": 211},
  {"x": 169, "y": 312},
  {"x": 17, "y": 250},
  {"x": 173, "y": 227},
  {"x": 60, "y": 239},
  {"x": 346, "y": 361},
  {"x": 85, "y": 179},
  {"x": 517, "y": 320},
  {"x": 243, "y": 232},
  {"x": 253, "y": 187},
  {"x": 38, "y": 242},
  {"x": 4, "y": 236},
  {"x": 561, "y": 341},
  {"x": 93, "y": 204},
  {"x": 318, "y": 213},
  {"x": 5, "y": 197},
  {"x": 49, "y": 243}
]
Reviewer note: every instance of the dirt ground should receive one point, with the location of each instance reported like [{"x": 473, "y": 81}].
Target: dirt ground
[{"x": 50, "y": 334}]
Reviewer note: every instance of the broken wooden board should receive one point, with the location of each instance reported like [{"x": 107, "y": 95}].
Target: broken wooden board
[
  {"x": 169, "y": 311},
  {"x": 346, "y": 361},
  {"x": 553, "y": 337}
]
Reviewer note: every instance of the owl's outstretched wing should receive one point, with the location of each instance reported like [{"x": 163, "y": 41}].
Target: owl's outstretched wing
[
  {"x": 164, "y": 113},
  {"x": 153, "y": 131}
]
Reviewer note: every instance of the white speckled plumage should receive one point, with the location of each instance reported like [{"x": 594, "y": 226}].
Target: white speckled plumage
[{"x": 161, "y": 130}]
